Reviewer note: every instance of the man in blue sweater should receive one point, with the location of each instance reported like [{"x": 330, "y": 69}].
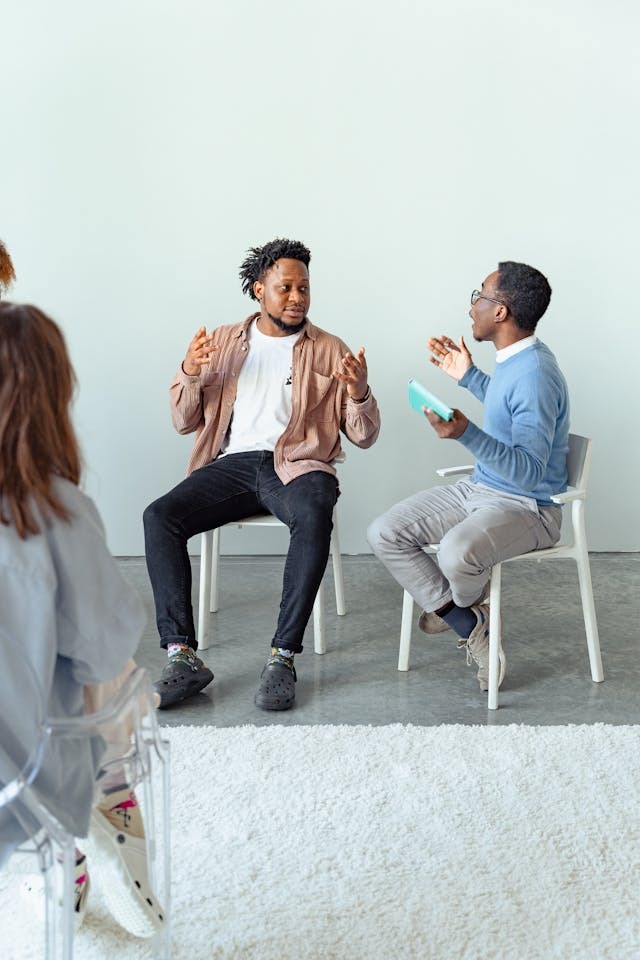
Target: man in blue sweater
[{"x": 505, "y": 509}]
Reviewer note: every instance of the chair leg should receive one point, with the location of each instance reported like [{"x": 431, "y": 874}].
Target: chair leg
[
  {"x": 159, "y": 844},
  {"x": 494, "y": 636},
  {"x": 59, "y": 922},
  {"x": 405, "y": 631},
  {"x": 338, "y": 578},
  {"x": 319, "y": 638},
  {"x": 206, "y": 543},
  {"x": 589, "y": 613},
  {"x": 215, "y": 571}
]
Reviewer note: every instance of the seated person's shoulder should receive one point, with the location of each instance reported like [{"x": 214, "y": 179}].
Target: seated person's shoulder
[
  {"x": 228, "y": 330},
  {"x": 72, "y": 497},
  {"x": 84, "y": 524}
]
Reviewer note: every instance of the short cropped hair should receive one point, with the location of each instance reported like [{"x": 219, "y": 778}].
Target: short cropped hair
[
  {"x": 525, "y": 291},
  {"x": 261, "y": 259}
]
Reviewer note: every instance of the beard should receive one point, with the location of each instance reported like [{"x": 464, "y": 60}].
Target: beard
[{"x": 287, "y": 327}]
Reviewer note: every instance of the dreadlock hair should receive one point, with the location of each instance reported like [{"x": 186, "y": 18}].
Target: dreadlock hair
[
  {"x": 261, "y": 259},
  {"x": 37, "y": 440},
  {"x": 525, "y": 291},
  {"x": 7, "y": 273}
]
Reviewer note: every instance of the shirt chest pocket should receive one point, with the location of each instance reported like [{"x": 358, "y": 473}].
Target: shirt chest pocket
[
  {"x": 212, "y": 392},
  {"x": 320, "y": 398}
]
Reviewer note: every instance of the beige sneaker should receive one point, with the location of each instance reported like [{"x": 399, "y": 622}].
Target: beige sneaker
[
  {"x": 431, "y": 623},
  {"x": 477, "y": 647}
]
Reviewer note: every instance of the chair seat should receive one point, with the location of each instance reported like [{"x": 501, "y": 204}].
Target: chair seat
[{"x": 258, "y": 520}]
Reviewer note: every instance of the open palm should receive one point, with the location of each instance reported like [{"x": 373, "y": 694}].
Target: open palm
[{"x": 453, "y": 358}]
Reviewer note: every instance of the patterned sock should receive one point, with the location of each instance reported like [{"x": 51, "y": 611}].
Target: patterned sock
[
  {"x": 284, "y": 655},
  {"x": 173, "y": 648}
]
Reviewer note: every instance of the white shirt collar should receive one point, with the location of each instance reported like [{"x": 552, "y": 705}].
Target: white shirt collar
[{"x": 513, "y": 348}]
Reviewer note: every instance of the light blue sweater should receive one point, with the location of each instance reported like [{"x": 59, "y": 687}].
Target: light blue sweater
[{"x": 523, "y": 445}]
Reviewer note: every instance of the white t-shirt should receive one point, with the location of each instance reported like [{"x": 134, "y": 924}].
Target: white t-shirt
[{"x": 263, "y": 400}]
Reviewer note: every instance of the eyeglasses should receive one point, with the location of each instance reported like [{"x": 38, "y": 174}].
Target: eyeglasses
[{"x": 476, "y": 295}]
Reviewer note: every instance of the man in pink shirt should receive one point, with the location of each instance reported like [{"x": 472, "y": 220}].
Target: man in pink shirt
[{"x": 267, "y": 399}]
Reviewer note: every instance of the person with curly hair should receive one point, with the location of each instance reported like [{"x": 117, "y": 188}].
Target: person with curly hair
[
  {"x": 267, "y": 399},
  {"x": 521, "y": 462}
]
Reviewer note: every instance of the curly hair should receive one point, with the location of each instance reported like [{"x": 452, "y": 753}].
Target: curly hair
[
  {"x": 7, "y": 273},
  {"x": 37, "y": 439},
  {"x": 261, "y": 259},
  {"x": 525, "y": 291}
]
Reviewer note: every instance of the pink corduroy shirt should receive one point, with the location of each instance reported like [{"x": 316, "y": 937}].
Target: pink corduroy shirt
[{"x": 321, "y": 407}]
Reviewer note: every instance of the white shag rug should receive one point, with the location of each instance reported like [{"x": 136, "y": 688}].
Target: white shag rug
[{"x": 419, "y": 843}]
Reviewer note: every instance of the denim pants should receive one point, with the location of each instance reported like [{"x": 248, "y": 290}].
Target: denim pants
[
  {"x": 228, "y": 489},
  {"x": 475, "y": 526}
]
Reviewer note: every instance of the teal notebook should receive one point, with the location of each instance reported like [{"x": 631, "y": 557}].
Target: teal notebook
[{"x": 420, "y": 397}]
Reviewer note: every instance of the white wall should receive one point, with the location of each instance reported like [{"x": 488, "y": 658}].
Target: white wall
[{"x": 147, "y": 144}]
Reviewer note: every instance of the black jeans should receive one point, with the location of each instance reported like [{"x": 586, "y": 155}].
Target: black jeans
[{"x": 229, "y": 489}]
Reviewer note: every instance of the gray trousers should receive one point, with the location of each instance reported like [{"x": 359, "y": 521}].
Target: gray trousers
[{"x": 475, "y": 527}]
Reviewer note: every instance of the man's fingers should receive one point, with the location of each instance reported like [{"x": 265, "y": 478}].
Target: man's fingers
[
  {"x": 448, "y": 343},
  {"x": 209, "y": 349},
  {"x": 351, "y": 363},
  {"x": 357, "y": 360}
]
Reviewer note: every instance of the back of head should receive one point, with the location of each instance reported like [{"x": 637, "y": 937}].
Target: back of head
[
  {"x": 525, "y": 291},
  {"x": 37, "y": 440}
]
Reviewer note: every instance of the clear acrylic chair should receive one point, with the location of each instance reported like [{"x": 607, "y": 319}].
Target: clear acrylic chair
[
  {"x": 124, "y": 734},
  {"x": 209, "y": 600},
  {"x": 575, "y": 548},
  {"x": 28, "y": 830}
]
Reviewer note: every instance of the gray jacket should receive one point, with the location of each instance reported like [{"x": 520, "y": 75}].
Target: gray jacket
[{"x": 66, "y": 606}]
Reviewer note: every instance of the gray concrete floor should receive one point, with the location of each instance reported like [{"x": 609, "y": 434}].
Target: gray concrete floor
[{"x": 357, "y": 681}]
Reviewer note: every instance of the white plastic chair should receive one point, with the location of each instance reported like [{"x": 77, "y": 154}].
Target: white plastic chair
[
  {"x": 145, "y": 759},
  {"x": 210, "y": 579},
  {"x": 578, "y": 463}
]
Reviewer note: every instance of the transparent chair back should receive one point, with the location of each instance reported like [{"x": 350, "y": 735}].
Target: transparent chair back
[
  {"x": 32, "y": 840},
  {"x": 123, "y": 734}
]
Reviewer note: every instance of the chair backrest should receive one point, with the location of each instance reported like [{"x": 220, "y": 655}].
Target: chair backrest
[
  {"x": 578, "y": 461},
  {"x": 119, "y": 734}
]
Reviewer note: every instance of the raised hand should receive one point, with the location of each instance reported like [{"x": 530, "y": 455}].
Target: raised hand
[
  {"x": 453, "y": 358},
  {"x": 354, "y": 374},
  {"x": 199, "y": 352}
]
